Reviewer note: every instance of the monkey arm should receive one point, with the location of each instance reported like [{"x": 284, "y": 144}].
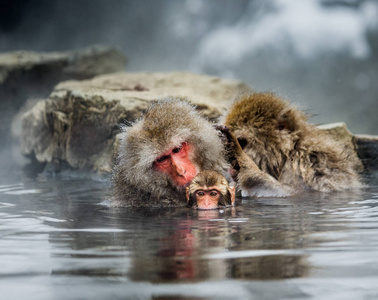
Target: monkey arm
[
  {"x": 251, "y": 180},
  {"x": 254, "y": 182},
  {"x": 231, "y": 145}
]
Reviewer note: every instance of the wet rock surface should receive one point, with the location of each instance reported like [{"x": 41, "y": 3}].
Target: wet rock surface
[
  {"x": 79, "y": 122},
  {"x": 83, "y": 63},
  {"x": 27, "y": 75},
  {"x": 367, "y": 146}
]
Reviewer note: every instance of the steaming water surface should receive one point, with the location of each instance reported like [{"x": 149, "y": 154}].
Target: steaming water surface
[{"x": 60, "y": 240}]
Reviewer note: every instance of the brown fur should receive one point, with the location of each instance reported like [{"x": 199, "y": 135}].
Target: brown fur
[
  {"x": 208, "y": 178},
  {"x": 167, "y": 124},
  {"x": 282, "y": 153}
]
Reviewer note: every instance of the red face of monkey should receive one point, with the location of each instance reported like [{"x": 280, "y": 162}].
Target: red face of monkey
[{"x": 177, "y": 164}]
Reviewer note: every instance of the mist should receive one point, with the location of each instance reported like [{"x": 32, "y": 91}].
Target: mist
[{"x": 322, "y": 55}]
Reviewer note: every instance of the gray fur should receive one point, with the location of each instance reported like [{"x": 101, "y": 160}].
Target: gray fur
[{"x": 166, "y": 124}]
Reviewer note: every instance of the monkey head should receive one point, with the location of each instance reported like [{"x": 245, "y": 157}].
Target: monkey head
[
  {"x": 267, "y": 129},
  {"x": 162, "y": 152},
  {"x": 210, "y": 190}
]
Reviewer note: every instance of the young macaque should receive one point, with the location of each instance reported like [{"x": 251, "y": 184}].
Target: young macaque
[
  {"x": 273, "y": 151},
  {"x": 210, "y": 190},
  {"x": 161, "y": 153}
]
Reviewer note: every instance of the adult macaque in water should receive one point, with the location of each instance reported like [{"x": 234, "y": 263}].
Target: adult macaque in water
[
  {"x": 273, "y": 151},
  {"x": 161, "y": 153},
  {"x": 210, "y": 190}
]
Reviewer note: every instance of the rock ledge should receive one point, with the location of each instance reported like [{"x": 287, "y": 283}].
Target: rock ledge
[{"x": 78, "y": 123}]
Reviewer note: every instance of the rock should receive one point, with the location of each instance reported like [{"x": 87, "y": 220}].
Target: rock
[
  {"x": 25, "y": 75},
  {"x": 83, "y": 63},
  {"x": 367, "y": 148},
  {"x": 340, "y": 133},
  {"x": 79, "y": 121}
]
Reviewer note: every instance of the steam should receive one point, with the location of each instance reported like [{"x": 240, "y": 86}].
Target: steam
[
  {"x": 305, "y": 27},
  {"x": 319, "y": 53}
]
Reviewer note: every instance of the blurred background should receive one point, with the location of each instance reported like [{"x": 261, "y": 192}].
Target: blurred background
[{"x": 321, "y": 54}]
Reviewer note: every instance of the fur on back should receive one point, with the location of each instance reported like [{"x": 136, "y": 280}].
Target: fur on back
[{"x": 283, "y": 144}]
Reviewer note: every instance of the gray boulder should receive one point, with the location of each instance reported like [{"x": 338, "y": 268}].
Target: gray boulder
[
  {"x": 27, "y": 75},
  {"x": 79, "y": 122},
  {"x": 367, "y": 146},
  {"x": 78, "y": 64}
]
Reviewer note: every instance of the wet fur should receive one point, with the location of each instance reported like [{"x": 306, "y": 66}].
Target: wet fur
[
  {"x": 167, "y": 124},
  {"x": 282, "y": 152}
]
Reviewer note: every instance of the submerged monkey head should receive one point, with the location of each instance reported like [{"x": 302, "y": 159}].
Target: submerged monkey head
[{"x": 210, "y": 190}]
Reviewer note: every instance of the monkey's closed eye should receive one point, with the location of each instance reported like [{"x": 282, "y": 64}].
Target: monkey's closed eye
[
  {"x": 242, "y": 142},
  {"x": 161, "y": 159},
  {"x": 177, "y": 149}
]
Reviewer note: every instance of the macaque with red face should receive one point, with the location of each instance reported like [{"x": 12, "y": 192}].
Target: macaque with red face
[
  {"x": 210, "y": 190},
  {"x": 161, "y": 153}
]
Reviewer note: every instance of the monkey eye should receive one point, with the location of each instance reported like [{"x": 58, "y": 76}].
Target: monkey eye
[
  {"x": 177, "y": 149},
  {"x": 242, "y": 142},
  {"x": 213, "y": 193},
  {"x": 161, "y": 159},
  {"x": 200, "y": 193}
]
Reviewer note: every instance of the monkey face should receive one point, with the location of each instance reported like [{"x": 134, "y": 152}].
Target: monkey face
[
  {"x": 177, "y": 164},
  {"x": 210, "y": 198},
  {"x": 207, "y": 199},
  {"x": 209, "y": 190}
]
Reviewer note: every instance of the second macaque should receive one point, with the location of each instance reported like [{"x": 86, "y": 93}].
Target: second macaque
[
  {"x": 210, "y": 190},
  {"x": 273, "y": 151}
]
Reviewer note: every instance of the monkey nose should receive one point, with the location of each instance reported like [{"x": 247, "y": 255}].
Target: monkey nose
[{"x": 180, "y": 170}]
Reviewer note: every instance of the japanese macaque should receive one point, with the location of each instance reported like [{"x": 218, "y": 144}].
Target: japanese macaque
[
  {"x": 273, "y": 151},
  {"x": 161, "y": 153},
  {"x": 210, "y": 190}
]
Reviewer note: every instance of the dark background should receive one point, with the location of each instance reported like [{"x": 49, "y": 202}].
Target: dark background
[{"x": 320, "y": 54}]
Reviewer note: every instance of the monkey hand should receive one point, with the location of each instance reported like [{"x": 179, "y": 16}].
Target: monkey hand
[{"x": 231, "y": 145}]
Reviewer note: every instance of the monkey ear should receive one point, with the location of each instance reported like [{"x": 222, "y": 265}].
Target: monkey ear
[
  {"x": 231, "y": 189},
  {"x": 187, "y": 194}
]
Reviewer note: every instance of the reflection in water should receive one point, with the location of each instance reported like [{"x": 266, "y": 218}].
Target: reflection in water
[
  {"x": 198, "y": 247},
  {"x": 55, "y": 233}
]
